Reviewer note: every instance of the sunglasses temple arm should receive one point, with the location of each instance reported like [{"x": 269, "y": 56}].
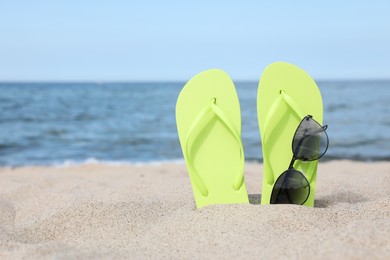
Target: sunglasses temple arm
[{"x": 291, "y": 166}]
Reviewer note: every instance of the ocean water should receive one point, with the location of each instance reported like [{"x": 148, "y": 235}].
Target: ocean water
[{"x": 57, "y": 123}]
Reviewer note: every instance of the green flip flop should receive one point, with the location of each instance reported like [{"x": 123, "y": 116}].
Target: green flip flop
[
  {"x": 286, "y": 94},
  {"x": 208, "y": 119}
]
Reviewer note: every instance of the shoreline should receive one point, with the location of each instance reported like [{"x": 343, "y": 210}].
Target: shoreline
[{"x": 92, "y": 161}]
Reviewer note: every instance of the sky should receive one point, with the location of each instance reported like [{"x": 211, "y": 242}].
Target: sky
[{"x": 113, "y": 40}]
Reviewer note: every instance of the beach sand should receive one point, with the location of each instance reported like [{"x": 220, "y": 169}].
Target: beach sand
[{"x": 148, "y": 211}]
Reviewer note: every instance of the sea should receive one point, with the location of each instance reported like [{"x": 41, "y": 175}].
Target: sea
[{"x": 134, "y": 123}]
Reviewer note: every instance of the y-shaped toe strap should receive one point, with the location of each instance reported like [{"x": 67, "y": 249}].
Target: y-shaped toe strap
[
  {"x": 294, "y": 106},
  {"x": 201, "y": 120}
]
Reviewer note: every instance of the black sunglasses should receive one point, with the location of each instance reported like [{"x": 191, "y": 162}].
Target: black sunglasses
[{"x": 310, "y": 143}]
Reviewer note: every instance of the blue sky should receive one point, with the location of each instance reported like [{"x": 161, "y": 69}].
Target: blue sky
[{"x": 87, "y": 40}]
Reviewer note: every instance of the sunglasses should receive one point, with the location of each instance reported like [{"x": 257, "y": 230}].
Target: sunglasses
[{"x": 310, "y": 143}]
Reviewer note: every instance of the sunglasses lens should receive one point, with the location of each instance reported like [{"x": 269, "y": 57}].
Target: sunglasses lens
[
  {"x": 310, "y": 140},
  {"x": 290, "y": 188}
]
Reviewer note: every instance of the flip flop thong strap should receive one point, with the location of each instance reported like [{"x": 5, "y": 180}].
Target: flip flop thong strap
[
  {"x": 294, "y": 106},
  {"x": 203, "y": 118}
]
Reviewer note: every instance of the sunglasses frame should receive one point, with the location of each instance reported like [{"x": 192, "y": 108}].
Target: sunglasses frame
[{"x": 295, "y": 158}]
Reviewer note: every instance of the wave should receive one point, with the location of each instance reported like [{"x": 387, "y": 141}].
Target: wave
[
  {"x": 89, "y": 161},
  {"x": 94, "y": 161}
]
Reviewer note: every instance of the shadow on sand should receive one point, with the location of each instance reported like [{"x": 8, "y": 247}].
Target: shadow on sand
[{"x": 343, "y": 197}]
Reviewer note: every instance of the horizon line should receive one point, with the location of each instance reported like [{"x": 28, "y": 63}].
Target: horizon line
[{"x": 135, "y": 81}]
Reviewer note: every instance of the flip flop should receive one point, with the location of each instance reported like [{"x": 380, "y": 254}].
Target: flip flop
[
  {"x": 286, "y": 94},
  {"x": 208, "y": 119}
]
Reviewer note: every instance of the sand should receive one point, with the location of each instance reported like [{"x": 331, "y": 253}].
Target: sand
[{"x": 148, "y": 211}]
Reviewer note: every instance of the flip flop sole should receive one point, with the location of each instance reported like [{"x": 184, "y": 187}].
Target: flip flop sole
[
  {"x": 208, "y": 121},
  {"x": 286, "y": 94}
]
